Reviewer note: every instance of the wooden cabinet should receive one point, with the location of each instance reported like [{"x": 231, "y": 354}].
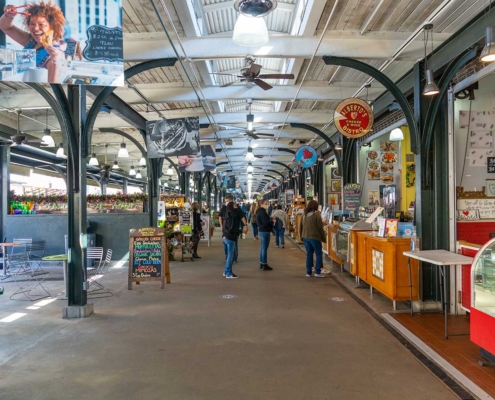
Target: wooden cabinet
[
  {"x": 383, "y": 266},
  {"x": 332, "y": 243},
  {"x": 298, "y": 227}
]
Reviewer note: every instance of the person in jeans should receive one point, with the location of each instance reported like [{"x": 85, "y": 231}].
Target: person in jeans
[
  {"x": 311, "y": 230},
  {"x": 230, "y": 233},
  {"x": 265, "y": 227},
  {"x": 197, "y": 231},
  {"x": 252, "y": 220},
  {"x": 281, "y": 224},
  {"x": 229, "y": 199}
]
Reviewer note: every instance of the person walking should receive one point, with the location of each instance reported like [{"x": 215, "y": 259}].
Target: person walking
[
  {"x": 281, "y": 224},
  {"x": 230, "y": 227},
  {"x": 197, "y": 230},
  {"x": 252, "y": 220},
  {"x": 265, "y": 227},
  {"x": 311, "y": 230}
]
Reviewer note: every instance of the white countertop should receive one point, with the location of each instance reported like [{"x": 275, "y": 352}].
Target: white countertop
[{"x": 439, "y": 257}]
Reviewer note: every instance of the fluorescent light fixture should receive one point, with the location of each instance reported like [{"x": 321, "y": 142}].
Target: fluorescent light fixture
[
  {"x": 138, "y": 175},
  {"x": 47, "y": 140},
  {"x": 123, "y": 153},
  {"x": 250, "y": 31},
  {"x": 488, "y": 53},
  {"x": 93, "y": 160},
  {"x": 397, "y": 134},
  {"x": 115, "y": 165},
  {"x": 13, "y": 317},
  {"x": 132, "y": 171},
  {"x": 431, "y": 87},
  {"x": 60, "y": 151},
  {"x": 142, "y": 162},
  {"x": 170, "y": 171}
]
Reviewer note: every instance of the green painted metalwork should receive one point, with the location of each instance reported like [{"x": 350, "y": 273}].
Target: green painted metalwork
[{"x": 390, "y": 86}]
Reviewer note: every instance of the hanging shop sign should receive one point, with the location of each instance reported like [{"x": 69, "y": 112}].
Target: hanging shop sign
[
  {"x": 87, "y": 53},
  {"x": 173, "y": 137},
  {"x": 353, "y": 118},
  {"x": 148, "y": 258},
  {"x": 306, "y": 156},
  {"x": 205, "y": 161}
]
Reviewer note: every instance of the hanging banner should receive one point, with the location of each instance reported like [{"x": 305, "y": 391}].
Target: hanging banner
[
  {"x": 206, "y": 161},
  {"x": 231, "y": 182},
  {"x": 173, "y": 137},
  {"x": 44, "y": 45},
  {"x": 306, "y": 156},
  {"x": 353, "y": 118}
]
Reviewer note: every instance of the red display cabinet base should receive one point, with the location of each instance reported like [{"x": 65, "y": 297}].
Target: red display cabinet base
[{"x": 482, "y": 330}]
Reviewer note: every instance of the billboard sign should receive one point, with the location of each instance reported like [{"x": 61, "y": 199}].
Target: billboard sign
[
  {"x": 173, "y": 137},
  {"x": 62, "y": 42}
]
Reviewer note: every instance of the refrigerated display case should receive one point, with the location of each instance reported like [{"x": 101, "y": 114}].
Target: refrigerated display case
[{"x": 483, "y": 298}]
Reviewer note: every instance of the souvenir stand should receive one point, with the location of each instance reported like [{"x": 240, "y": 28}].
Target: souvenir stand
[{"x": 296, "y": 213}]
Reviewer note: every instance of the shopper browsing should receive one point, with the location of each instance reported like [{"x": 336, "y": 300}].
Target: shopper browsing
[
  {"x": 281, "y": 224},
  {"x": 230, "y": 232},
  {"x": 311, "y": 230},
  {"x": 252, "y": 219},
  {"x": 197, "y": 228},
  {"x": 265, "y": 227}
]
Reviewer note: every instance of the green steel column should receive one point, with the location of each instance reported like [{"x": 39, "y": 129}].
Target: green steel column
[{"x": 4, "y": 189}]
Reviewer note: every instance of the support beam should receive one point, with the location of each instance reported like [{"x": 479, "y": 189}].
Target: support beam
[{"x": 4, "y": 190}]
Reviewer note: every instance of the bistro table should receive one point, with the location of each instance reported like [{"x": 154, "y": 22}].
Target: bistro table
[
  {"x": 63, "y": 258},
  {"x": 4, "y": 250},
  {"x": 440, "y": 258}
]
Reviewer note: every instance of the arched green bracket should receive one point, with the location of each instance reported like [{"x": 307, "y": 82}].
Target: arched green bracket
[
  {"x": 431, "y": 115},
  {"x": 108, "y": 90},
  {"x": 390, "y": 86},
  {"x": 286, "y": 150},
  {"x": 273, "y": 170},
  {"x": 321, "y": 134},
  {"x": 282, "y": 164}
]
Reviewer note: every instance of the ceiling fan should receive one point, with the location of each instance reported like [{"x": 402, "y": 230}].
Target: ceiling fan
[
  {"x": 252, "y": 74},
  {"x": 20, "y": 138}
]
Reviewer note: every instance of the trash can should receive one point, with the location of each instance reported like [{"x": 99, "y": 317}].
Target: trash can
[{"x": 91, "y": 243}]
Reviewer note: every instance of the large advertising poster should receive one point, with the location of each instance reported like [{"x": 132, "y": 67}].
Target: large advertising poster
[
  {"x": 64, "y": 41},
  {"x": 205, "y": 161},
  {"x": 173, "y": 137}
]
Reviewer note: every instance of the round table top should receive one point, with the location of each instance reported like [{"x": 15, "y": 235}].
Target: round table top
[
  {"x": 58, "y": 257},
  {"x": 10, "y": 244}
]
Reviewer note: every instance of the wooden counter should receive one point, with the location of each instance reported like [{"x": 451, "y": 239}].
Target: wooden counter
[
  {"x": 382, "y": 265},
  {"x": 332, "y": 244}
]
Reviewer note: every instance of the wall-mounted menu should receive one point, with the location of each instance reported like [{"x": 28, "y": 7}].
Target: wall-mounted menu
[
  {"x": 148, "y": 256},
  {"x": 352, "y": 197}
]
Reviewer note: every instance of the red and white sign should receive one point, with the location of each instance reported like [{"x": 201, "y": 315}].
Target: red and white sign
[{"x": 353, "y": 118}]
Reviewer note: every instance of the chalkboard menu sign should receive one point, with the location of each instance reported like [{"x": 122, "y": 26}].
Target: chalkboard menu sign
[
  {"x": 104, "y": 44},
  {"x": 490, "y": 162},
  {"x": 352, "y": 197},
  {"x": 148, "y": 256}
]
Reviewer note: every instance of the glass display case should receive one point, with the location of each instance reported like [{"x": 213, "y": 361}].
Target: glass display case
[{"x": 483, "y": 298}]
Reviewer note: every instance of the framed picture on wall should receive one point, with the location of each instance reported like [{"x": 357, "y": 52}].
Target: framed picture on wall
[
  {"x": 335, "y": 173},
  {"x": 336, "y": 185},
  {"x": 490, "y": 187},
  {"x": 333, "y": 199}
]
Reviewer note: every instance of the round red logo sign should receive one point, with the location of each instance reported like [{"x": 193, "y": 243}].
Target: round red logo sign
[{"x": 353, "y": 118}]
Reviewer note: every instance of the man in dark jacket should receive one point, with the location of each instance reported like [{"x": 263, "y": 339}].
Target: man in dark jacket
[
  {"x": 265, "y": 227},
  {"x": 241, "y": 221},
  {"x": 230, "y": 233}
]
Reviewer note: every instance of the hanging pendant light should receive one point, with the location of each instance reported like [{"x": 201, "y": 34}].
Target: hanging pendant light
[
  {"x": 123, "y": 153},
  {"x": 249, "y": 167},
  {"x": 93, "y": 161},
  {"x": 132, "y": 171},
  {"x": 339, "y": 146},
  {"x": 170, "y": 171},
  {"x": 60, "y": 151},
  {"x": 165, "y": 184},
  {"x": 397, "y": 134},
  {"x": 431, "y": 87},
  {"x": 115, "y": 165},
  {"x": 142, "y": 162},
  {"x": 250, "y": 155},
  {"x": 250, "y": 175},
  {"x": 250, "y": 31},
  {"x": 47, "y": 139},
  {"x": 488, "y": 53},
  {"x": 138, "y": 175}
]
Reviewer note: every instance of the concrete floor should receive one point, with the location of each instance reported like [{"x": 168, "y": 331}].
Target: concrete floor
[{"x": 281, "y": 338}]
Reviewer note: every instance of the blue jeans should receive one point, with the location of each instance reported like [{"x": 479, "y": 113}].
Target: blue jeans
[
  {"x": 255, "y": 229},
  {"x": 280, "y": 234},
  {"x": 230, "y": 246},
  {"x": 265, "y": 242},
  {"x": 236, "y": 250},
  {"x": 313, "y": 246}
]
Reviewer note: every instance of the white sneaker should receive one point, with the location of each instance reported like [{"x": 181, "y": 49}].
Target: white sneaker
[
  {"x": 276, "y": 247},
  {"x": 320, "y": 276},
  {"x": 325, "y": 271},
  {"x": 309, "y": 276}
]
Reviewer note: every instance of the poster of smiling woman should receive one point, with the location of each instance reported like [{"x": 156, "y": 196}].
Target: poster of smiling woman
[{"x": 64, "y": 41}]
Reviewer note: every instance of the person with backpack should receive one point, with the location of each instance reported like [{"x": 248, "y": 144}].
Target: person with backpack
[
  {"x": 230, "y": 231},
  {"x": 265, "y": 227},
  {"x": 252, "y": 219},
  {"x": 311, "y": 230},
  {"x": 281, "y": 224}
]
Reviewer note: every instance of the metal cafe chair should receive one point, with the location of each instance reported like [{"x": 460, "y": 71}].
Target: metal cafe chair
[
  {"x": 95, "y": 286},
  {"x": 95, "y": 254},
  {"x": 1, "y": 251},
  {"x": 36, "y": 252},
  {"x": 27, "y": 278}
]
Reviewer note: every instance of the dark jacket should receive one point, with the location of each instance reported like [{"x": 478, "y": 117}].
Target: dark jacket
[
  {"x": 312, "y": 227},
  {"x": 265, "y": 224},
  {"x": 197, "y": 222}
]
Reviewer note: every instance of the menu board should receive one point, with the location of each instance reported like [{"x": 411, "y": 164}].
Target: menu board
[
  {"x": 148, "y": 256},
  {"x": 352, "y": 197}
]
